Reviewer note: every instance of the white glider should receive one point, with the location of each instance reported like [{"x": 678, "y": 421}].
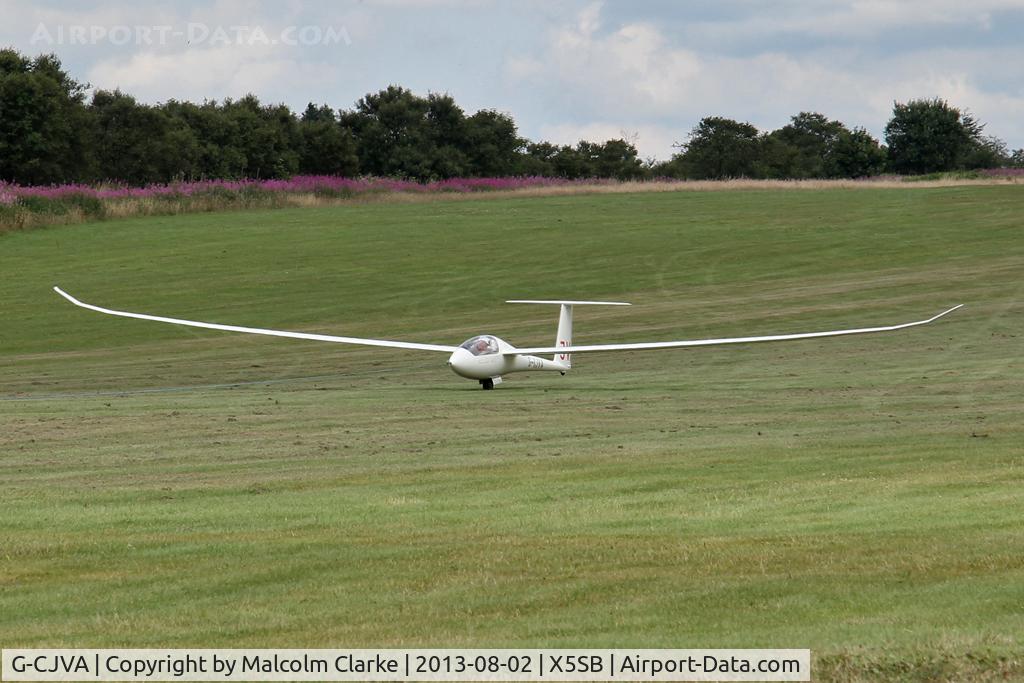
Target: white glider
[{"x": 486, "y": 357}]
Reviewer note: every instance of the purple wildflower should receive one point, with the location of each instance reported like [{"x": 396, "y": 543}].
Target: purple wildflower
[
  {"x": 295, "y": 184},
  {"x": 7, "y": 196}
]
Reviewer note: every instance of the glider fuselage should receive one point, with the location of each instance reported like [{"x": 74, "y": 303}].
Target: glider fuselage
[{"x": 486, "y": 356}]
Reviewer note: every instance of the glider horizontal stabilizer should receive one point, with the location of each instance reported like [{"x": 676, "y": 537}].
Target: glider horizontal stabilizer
[{"x": 567, "y": 303}]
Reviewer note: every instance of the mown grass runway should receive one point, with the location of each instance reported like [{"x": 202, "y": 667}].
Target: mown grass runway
[{"x": 859, "y": 496}]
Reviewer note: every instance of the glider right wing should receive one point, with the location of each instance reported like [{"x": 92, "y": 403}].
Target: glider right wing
[{"x": 258, "y": 330}]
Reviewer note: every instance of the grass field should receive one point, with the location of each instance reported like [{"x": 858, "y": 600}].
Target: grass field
[{"x": 859, "y": 496}]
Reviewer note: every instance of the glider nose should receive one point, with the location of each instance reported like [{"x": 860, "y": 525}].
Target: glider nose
[{"x": 461, "y": 363}]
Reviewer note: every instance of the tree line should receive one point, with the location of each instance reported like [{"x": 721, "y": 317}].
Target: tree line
[
  {"x": 51, "y": 132},
  {"x": 923, "y": 136}
]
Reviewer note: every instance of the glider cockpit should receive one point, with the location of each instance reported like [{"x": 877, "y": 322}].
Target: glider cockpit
[{"x": 481, "y": 345}]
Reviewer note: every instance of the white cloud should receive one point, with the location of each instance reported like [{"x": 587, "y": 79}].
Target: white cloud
[
  {"x": 636, "y": 75},
  {"x": 205, "y": 73},
  {"x": 583, "y": 70},
  {"x": 589, "y": 20},
  {"x": 650, "y": 140},
  {"x": 632, "y": 67},
  {"x": 260, "y": 50},
  {"x": 857, "y": 19}
]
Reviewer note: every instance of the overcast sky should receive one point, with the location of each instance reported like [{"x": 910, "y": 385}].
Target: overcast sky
[{"x": 647, "y": 70}]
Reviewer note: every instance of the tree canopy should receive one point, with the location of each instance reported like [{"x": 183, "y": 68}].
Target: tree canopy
[
  {"x": 45, "y": 128},
  {"x": 51, "y": 132}
]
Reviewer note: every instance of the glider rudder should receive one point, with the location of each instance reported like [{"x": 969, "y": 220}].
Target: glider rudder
[{"x": 563, "y": 337}]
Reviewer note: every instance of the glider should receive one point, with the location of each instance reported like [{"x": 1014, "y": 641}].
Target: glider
[{"x": 486, "y": 357}]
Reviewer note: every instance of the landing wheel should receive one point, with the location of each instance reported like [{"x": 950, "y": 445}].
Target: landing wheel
[{"x": 487, "y": 384}]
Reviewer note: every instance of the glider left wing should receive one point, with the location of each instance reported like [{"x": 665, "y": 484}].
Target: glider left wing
[{"x": 727, "y": 340}]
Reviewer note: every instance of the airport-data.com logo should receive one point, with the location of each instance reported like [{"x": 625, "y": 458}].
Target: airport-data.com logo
[{"x": 191, "y": 34}]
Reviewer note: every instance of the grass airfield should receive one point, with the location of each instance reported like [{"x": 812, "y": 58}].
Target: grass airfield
[{"x": 861, "y": 496}]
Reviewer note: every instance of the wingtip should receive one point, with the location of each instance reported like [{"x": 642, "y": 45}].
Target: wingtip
[
  {"x": 947, "y": 311},
  {"x": 65, "y": 294}
]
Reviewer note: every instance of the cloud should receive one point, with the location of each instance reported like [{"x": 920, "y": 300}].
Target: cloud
[
  {"x": 580, "y": 68},
  {"x": 632, "y": 66},
  {"x": 645, "y": 137},
  {"x": 857, "y": 19},
  {"x": 197, "y": 74},
  {"x": 194, "y": 50},
  {"x": 597, "y": 78}
]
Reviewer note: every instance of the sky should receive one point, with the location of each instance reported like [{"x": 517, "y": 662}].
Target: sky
[{"x": 645, "y": 70}]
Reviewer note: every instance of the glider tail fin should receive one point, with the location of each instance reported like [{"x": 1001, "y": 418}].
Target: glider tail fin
[{"x": 564, "y": 335}]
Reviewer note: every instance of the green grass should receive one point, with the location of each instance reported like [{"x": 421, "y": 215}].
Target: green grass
[{"x": 859, "y": 496}]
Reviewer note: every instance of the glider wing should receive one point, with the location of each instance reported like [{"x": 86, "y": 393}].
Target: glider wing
[
  {"x": 727, "y": 340},
  {"x": 257, "y": 330}
]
